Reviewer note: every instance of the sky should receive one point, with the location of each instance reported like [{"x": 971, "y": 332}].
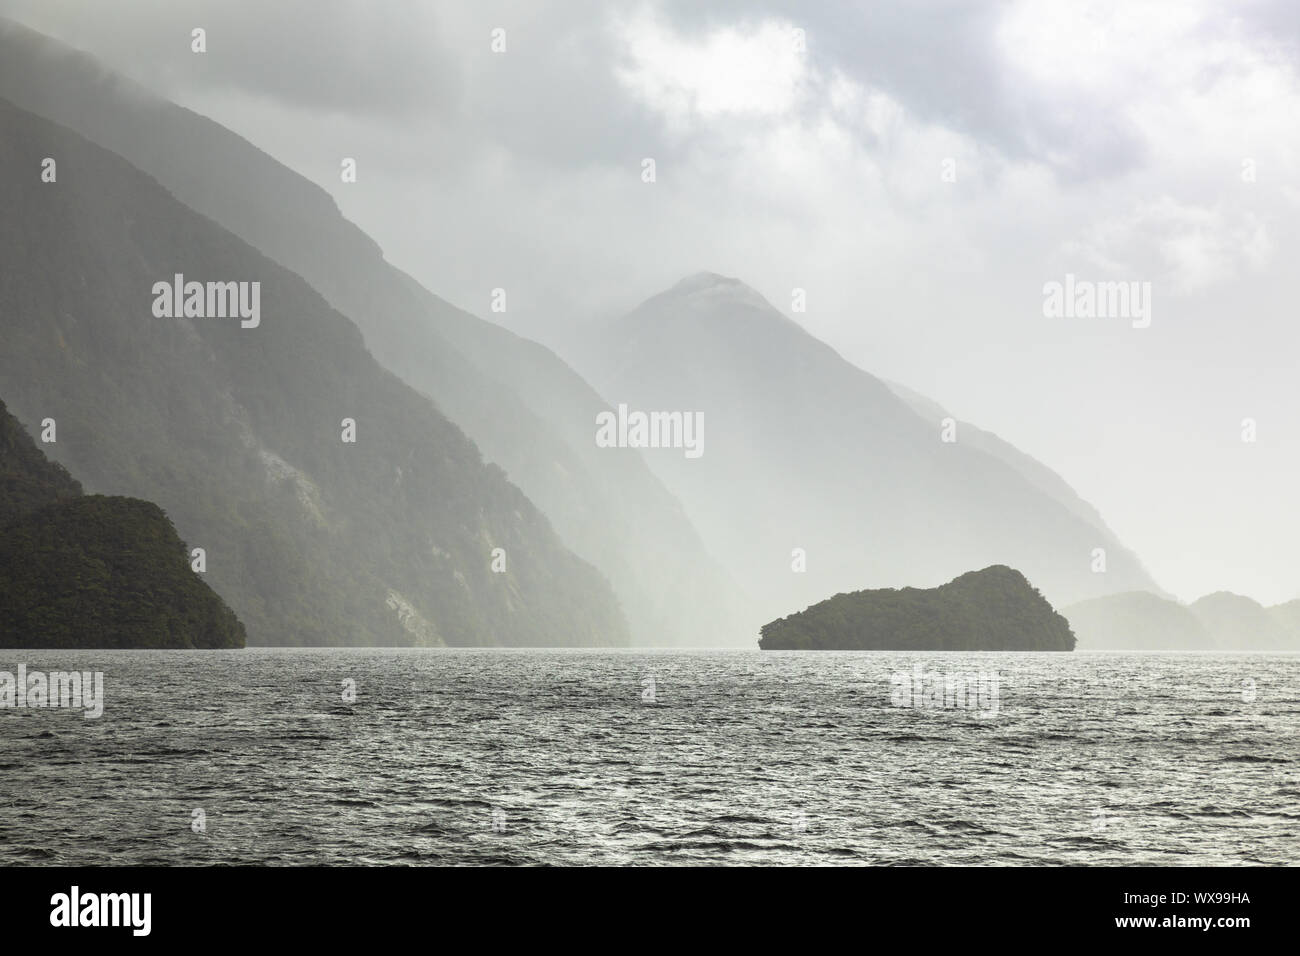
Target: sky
[{"x": 922, "y": 171}]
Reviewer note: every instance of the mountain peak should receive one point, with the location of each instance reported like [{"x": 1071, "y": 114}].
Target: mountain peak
[
  {"x": 712, "y": 287},
  {"x": 705, "y": 280}
]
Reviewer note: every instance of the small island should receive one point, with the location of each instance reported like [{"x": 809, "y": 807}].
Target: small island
[{"x": 995, "y": 609}]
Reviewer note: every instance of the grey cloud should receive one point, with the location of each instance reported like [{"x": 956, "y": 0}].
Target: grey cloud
[
  {"x": 553, "y": 98},
  {"x": 335, "y": 55}
]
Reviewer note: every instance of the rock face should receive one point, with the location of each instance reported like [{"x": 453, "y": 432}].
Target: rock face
[
  {"x": 94, "y": 571},
  {"x": 995, "y": 609}
]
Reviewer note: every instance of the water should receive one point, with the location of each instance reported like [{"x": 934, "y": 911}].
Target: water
[{"x": 525, "y": 757}]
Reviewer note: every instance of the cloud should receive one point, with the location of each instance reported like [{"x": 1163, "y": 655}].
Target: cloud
[
  {"x": 330, "y": 55},
  {"x": 1182, "y": 247},
  {"x": 759, "y": 72}
]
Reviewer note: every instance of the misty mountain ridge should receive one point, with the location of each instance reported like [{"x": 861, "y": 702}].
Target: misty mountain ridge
[
  {"x": 813, "y": 463},
  {"x": 818, "y": 478},
  {"x": 1043, "y": 477},
  {"x": 1239, "y": 621},
  {"x": 524, "y": 408},
  {"x": 1222, "y": 621},
  {"x": 711, "y": 285},
  {"x": 400, "y": 536}
]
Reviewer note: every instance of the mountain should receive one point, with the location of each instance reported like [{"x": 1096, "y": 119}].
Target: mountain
[
  {"x": 1138, "y": 621},
  {"x": 995, "y": 609},
  {"x": 1034, "y": 471},
  {"x": 94, "y": 572},
  {"x": 1287, "y": 616},
  {"x": 236, "y": 427},
  {"x": 805, "y": 451},
  {"x": 522, "y": 405},
  {"x": 1241, "y": 623}
]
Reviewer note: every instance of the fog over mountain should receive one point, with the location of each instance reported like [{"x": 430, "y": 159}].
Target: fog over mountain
[
  {"x": 526, "y": 410},
  {"x": 676, "y": 433},
  {"x": 336, "y": 505},
  {"x": 1243, "y": 623},
  {"x": 816, "y": 477},
  {"x": 1138, "y": 141},
  {"x": 1140, "y": 621},
  {"x": 816, "y": 471},
  {"x": 972, "y": 436}
]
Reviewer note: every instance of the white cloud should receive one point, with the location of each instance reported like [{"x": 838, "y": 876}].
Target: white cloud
[{"x": 759, "y": 71}]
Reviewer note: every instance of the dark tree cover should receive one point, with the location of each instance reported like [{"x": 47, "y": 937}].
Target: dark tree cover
[
  {"x": 995, "y": 609},
  {"x": 96, "y": 571}
]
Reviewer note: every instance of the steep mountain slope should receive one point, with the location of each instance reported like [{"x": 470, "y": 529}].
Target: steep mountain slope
[
  {"x": 28, "y": 480},
  {"x": 805, "y": 451},
  {"x": 1038, "y": 474},
  {"x": 1138, "y": 621},
  {"x": 91, "y": 572},
  {"x": 237, "y": 432},
  {"x": 524, "y": 408}
]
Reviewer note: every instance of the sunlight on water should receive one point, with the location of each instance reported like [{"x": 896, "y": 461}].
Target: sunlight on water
[{"x": 524, "y": 757}]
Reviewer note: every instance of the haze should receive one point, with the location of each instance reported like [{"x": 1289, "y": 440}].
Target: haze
[{"x": 1141, "y": 142}]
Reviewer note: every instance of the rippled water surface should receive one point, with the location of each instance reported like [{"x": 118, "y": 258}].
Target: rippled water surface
[{"x": 523, "y": 757}]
